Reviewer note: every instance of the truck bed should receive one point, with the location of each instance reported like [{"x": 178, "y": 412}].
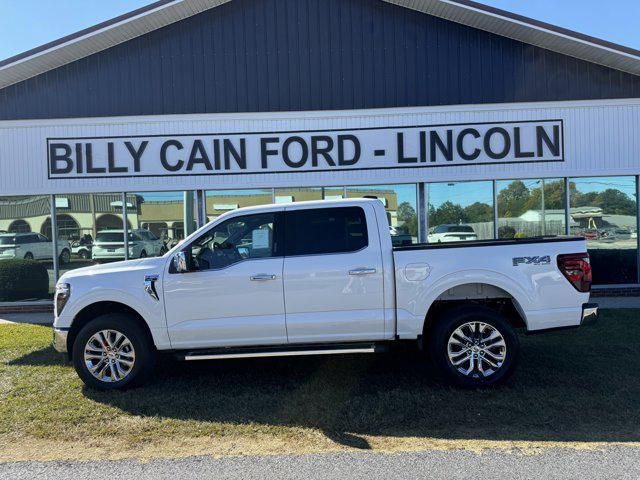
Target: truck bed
[{"x": 523, "y": 271}]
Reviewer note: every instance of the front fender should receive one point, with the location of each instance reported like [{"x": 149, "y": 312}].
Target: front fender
[{"x": 151, "y": 310}]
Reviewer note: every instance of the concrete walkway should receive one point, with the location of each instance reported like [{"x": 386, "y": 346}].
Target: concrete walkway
[{"x": 30, "y": 318}]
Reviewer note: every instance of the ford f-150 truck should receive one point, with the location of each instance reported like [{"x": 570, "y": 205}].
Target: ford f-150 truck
[{"x": 316, "y": 278}]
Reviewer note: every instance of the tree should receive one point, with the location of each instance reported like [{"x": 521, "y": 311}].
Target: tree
[
  {"x": 407, "y": 215},
  {"x": 478, "y": 212},
  {"x": 615, "y": 202},
  {"x": 553, "y": 196},
  {"x": 512, "y": 200},
  {"x": 448, "y": 212}
]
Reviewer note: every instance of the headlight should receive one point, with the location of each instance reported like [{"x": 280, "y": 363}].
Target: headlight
[{"x": 63, "y": 291}]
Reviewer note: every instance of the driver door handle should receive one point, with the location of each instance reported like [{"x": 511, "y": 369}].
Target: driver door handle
[
  {"x": 362, "y": 271},
  {"x": 262, "y": 277}
]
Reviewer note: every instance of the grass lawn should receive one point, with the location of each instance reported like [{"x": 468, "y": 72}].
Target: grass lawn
[{"x": 578, "y": 388}]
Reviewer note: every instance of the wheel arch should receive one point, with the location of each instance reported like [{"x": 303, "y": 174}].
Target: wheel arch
[
  {"x": 489, "y": 294},
  {"x": 94, "y": 310}
]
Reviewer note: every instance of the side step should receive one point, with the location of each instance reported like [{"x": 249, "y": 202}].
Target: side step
[{"x": 282, "y": 351}]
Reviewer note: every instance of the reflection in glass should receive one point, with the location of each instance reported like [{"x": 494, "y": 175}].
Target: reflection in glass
[
  {"x": 157, "y": 221},
  {"x": 80, "y": 217},
  {"x": 289, "y": 195},
  {"x": 23, "y": 235},
  {"x": 531, "y": 208},
  {"x": 222, "y": 201},
  {"x": 603, "y": 210},
  {"x": 460, "y": 211},
  {"x": 401, "y": 205}
]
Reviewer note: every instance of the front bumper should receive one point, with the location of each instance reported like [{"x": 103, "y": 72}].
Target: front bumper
[
  {"x": 589, "y": 313},
  {"x": 60, "y": 339}
]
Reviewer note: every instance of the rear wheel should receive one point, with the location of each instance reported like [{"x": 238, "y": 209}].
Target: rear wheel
[
  {"x": 112, "y": 352},
  {"x": 473, "y": 346},
  {"x": 28, "y": 256}
]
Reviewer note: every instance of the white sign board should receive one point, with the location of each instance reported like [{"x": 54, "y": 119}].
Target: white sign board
[{"x": 305, "y": 151}]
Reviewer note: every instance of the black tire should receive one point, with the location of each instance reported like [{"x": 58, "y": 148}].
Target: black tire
[
  {"x": 65, "y": 257},
  {"x": 28, "y": 256},
  {"x": 449, "y": 321},
  {"x": 143, "y": 254},
  {"x": 143, "y": 366}
]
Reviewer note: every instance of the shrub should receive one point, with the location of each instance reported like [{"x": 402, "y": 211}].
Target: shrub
[
  {"x": 520, "y": 235},
  {"x": 23, "y": 279},
  {"x": 506, "y": 231}
]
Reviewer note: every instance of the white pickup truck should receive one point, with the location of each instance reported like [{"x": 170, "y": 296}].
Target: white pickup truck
[{"x": 316, "y": 278}]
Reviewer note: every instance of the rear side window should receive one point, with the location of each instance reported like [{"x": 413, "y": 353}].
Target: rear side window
[{"x": 325, "y": 230}]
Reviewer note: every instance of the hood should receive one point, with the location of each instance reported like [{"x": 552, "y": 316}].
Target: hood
[{"x": 114, "y": 267}]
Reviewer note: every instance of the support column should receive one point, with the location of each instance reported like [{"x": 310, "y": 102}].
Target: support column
[
  {"x": 188, "y": 213},
  {"x": 54, "y": 238},
  {"x": 495, "y": 209},
  {"x": 125, "y": 226},
  {"x": 567, "y": 207},
  {"x": 422, "y": 212}
]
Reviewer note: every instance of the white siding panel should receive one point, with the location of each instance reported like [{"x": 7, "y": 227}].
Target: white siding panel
[{"x": 600, "y": 138}]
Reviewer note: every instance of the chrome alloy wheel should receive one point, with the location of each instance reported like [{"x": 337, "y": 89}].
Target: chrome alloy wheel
[
  {"x": 109, "y": 356},
  {"x": 476, "y": 349}
]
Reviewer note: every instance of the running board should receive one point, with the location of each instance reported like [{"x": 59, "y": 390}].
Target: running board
[{"x": 286, "y": 351}]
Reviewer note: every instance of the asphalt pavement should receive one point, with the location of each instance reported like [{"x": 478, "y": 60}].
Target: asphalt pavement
[{"x": 610, "y": 463}]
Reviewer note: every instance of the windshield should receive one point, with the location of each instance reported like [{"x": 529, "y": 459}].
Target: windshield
[{"x": 9, "y": 240}]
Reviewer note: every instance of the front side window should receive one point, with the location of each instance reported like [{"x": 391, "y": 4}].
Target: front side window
[
  {"x": 325, "y": 230},
  {"x": 241, "y": 238}
]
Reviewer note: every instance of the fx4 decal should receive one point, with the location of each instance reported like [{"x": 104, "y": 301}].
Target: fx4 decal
[{"x": 546, "y": 260}]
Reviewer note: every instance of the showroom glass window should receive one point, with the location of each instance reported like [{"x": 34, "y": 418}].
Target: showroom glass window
[
  {"x": 158, "y": 221},
  {"x": 222, "y": 201},
  {"x": 400, "y": 203},
  {"x": 460, "y": 211},
  {"x": 83, "y": 221},
  {"x": 531, "y": 208},
  {"x": 603, "y": 210},
  {"x": 24, "y": 235}
]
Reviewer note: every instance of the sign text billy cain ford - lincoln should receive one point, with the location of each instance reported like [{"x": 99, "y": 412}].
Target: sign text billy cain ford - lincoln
[{"x": 367, "y": 148}]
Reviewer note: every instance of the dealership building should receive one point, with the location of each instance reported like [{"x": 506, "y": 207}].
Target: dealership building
[{"x": 459, "y": 117}]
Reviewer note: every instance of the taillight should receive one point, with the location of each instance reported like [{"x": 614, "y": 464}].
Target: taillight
[{"x": 576, "y": 267}]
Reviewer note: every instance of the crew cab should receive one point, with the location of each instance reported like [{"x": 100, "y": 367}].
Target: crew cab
[{"x": 316, "y": 278}]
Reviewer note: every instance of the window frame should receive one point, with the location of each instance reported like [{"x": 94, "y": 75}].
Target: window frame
[{"x": 278, "y": 240}]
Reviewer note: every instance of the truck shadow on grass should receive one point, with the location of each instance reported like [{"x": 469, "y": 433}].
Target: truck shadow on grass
[{"x": 579, "y": 385}]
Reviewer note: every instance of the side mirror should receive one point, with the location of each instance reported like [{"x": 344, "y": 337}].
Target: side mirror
[{"x": 180, "y": 263}]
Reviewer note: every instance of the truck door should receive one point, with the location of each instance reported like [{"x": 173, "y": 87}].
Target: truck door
[
  {"x": 333, "y": 279},
  {"x": 233, "y": 295}
]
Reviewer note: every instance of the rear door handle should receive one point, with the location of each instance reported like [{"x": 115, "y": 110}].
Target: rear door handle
[
  {"x": 362, "y": 271},
  {"x": 262, "y": 277}
]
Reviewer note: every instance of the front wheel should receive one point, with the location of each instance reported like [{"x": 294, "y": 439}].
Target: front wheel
[
  {"x": 473, "y": 346},
  {"x": 65, "y": 257},
  {"x": 112, "y": 352}
]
